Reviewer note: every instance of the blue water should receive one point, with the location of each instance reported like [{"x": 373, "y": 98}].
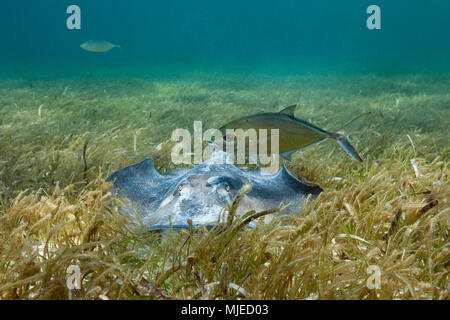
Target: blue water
[{"x": 274, "y": 37}]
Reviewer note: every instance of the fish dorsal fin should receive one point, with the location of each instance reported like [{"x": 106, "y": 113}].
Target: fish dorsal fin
[{"x": 289, "y": 110}]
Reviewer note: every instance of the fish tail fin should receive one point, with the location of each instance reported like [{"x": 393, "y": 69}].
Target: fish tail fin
[
  {"x": 120, "y": 46},
  {"x": 342, "y": 135},
  {"x": 345, "y": 144}
]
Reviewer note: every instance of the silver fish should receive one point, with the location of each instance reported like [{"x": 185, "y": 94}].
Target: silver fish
[
  {"x": 295, "y": 133},
  {"x": 99, "y": 46}
]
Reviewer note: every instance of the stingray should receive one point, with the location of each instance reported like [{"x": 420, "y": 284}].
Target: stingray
[{"x": 203, "y": 193}]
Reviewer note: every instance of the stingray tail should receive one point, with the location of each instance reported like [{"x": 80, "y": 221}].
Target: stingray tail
[{"x": 342, "y": 135}]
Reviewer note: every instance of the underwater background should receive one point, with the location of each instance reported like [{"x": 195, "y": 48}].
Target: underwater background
[
  {"x": 260, "y": 37},
  {"x": 69, "y": 118}
]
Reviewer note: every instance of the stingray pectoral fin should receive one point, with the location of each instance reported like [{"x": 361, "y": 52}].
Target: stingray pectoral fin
[
  {"x": 144, "y": 170},
  {"x": 301, "y": 186}
]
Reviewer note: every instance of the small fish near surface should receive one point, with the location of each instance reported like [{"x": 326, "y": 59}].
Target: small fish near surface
[
  {"x": 295, "y": 133},
  {"x": 99, "y": 46},
  {"x": 201, "y": 193}
]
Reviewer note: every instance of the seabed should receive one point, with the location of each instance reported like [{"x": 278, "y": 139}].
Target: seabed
[{"x": 60, "y": 139}]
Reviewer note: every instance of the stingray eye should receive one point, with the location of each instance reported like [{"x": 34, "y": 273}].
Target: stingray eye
[
  {"x": 227, "y": 183},
  {"x": 178, "y": 190}
]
